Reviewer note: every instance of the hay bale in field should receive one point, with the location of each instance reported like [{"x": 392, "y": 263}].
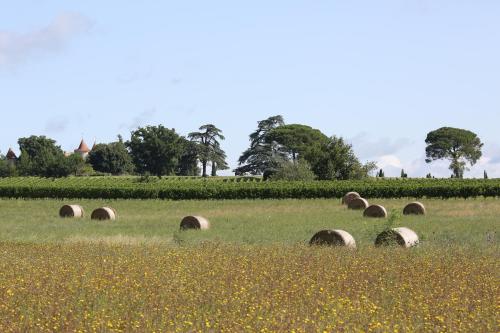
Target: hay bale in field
[
  {"x": 358, "y": 203},
  {"x": 71, "y": 211},
  {"x": 375, "y": 211},
  {"x": 414, "y": 208},
  {"x": 397, "y": 236},
  {"x": 195, "y": 222},
  {"x": 114, "y": 211},
  {"x": 103, "y": 213},
  {"x": 349, "y": 197},
  {"x": 333, "y": 238}
]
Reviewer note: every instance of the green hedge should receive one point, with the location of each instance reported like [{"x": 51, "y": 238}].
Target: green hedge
[{"x": 240, "y": 188}]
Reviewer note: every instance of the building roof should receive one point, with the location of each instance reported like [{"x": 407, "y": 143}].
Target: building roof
[
  {"x": 11, "y": 155},
  {"x": 82, "y": 148}
]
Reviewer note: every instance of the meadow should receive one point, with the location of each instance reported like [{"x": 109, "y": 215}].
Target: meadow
[{"x": 252, "y": 271}]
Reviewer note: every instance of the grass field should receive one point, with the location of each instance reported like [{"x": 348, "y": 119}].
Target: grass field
[
  {"x": 252, "y": 271},
  {"x": 454, "y": 221}
]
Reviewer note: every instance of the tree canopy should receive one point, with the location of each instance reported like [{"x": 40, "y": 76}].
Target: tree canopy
[
  {"x": 297, "y": 140},
  {"x": 41, "y": 157},
  {"x": 460, "y": 146},
  {"x": 7, "y": 168},
  {"x": 155, "y": 149},
  {"x": 262, "y": 154},
  {"x": 335, "y": 159},
  {"x": 111, "y": 158},
  {"x": 209, "y": 149}
]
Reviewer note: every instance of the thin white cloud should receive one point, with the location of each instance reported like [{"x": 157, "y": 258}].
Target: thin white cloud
[
  {"x": 392, "y": 165},
  {"x": 387, "y": 153},
  {"x": 389, "y": 160},
  {"x": 367, "y": 147},
  {"x": 491, "y": 152},
  {"x": 16, "y": 48}
]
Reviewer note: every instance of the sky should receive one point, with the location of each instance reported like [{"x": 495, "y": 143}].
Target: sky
[{"x": 380, "y": 74}]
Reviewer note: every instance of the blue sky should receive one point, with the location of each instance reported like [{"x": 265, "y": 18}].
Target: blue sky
[{"x": 381, "y": 74}]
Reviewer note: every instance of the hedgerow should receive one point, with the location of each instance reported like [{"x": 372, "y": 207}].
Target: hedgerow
[{"x": 176, "y": 188}]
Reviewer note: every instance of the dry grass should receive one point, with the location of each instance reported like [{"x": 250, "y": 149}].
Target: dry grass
[{"x": 118, "y": 240}]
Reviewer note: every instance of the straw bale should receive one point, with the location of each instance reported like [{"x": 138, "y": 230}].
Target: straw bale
[
  {"x": 103, "y": 213},
  {"x": 333, "y": 238},
  {"x": 414, "y": 208},
  {"x": 358, "y": 203},
  {"x": 71, "y": 211},
  {"x": 402, "y": 236},
  {"x": 349, "y": 197},
  {"x": 195, "y": 222},
  {"x": 375, "y": 211}
]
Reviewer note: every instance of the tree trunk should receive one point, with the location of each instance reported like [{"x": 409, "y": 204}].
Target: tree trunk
[
  {"x": 214, "y": 169},
  {"x": 204, "y": 165}
]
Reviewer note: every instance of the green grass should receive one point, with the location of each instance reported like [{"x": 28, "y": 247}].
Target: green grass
[{"x": 472, "y": 222}]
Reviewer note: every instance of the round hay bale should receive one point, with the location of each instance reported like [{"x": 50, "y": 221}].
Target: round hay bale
[
  {"x": 358, "y": 203},
  {"x": 114, "y": 211},
  {"x": 375, "y": 211},
  {"x": 71, "y": 211},
  {"x": 349, "y": 197},
  {"x": 397, "y": 236},
  {"x": 414, "y": 208},
  {"x": 194, "y": 222},
  {"x": 103, "y": 213},
  {"x": 333, "y": 238}
]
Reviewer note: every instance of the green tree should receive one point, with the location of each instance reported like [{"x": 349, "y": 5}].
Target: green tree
[
  {"x": 298, "y": 140},
  {"x": 111, "y": 158},
  {"x": 263, "y": 154},
  {"x": 7, "y": 168},
  {"x": 188, "y": 162},
  {"x": 155, "y": 150},
  {"x": 75, "y": 164},
  {"x": 209, "y": 145},
  {"x": 457, "y": 145},
  {"x": 403, "y": 174},
  {"x": 381, "y": 174},
  {"x": 289, "y": 170},
  {"x": 41, "y": 157},
  {"x": 218, "y": 160},
  {"x": 336, "y": 160}
]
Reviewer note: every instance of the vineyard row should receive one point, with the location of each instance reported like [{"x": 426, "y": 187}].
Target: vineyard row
[{"x": 245, "y": 188}]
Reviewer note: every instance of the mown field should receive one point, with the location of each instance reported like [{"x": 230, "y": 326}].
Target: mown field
[
  {"x": 252, "y": 222},
  {"x": 252, "y": 271}
]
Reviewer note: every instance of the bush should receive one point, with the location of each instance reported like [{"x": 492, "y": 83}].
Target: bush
[{"x": 300, "y": 170}]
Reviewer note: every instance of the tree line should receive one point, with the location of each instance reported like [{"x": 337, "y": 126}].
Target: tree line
[{"x": 277, "y": 151}]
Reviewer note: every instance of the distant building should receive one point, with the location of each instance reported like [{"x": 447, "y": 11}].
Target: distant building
[
  {"x": 82, "y": 149},
  {"x": 11, "y": 156}
]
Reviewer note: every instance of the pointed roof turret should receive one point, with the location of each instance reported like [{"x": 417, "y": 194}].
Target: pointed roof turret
[
  {"x": 11, "y": 155},
  {"x": 82, "y": 148}
]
